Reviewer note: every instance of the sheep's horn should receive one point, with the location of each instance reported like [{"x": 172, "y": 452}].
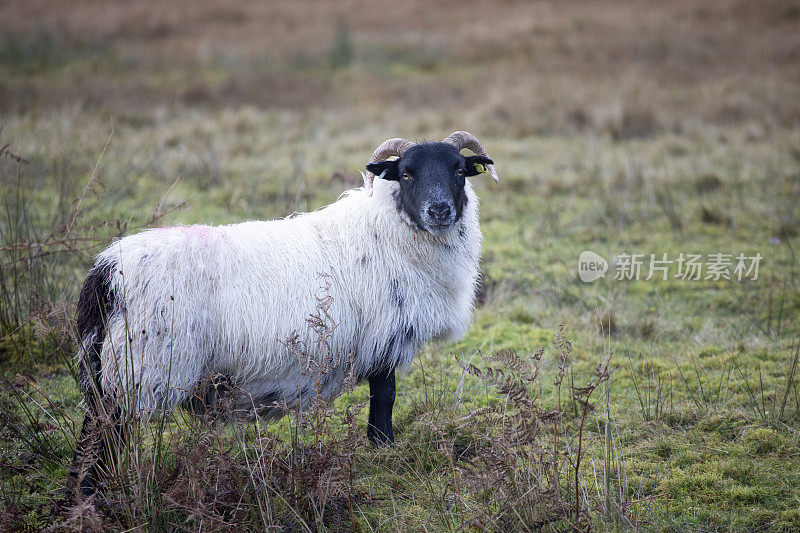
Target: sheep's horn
[
  {"x": 387, "y": 148},
  {"x": 464, "y": 139}
]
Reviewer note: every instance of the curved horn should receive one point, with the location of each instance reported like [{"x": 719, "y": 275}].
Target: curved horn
[
  {"x": 387, "y": 148},
  {"x": 464, "y": 139}
]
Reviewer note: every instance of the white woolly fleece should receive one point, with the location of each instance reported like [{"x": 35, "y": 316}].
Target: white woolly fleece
[{"x": 192, "y": 301}]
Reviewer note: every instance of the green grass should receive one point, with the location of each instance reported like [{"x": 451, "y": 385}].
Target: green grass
[{"x": 698, "y": 365}]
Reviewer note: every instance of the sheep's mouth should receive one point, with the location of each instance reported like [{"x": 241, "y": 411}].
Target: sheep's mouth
[{"x": 437, "y": 228}]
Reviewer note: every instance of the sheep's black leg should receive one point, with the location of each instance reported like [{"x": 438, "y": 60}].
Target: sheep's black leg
[
  {"x": 382, "y": 393},
  {"x": 213, "y": 396},
  {"x": 96, "y": 449},
  {"x": 101, "y": 433}
]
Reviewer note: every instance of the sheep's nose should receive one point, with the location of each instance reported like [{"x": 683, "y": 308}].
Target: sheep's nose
[{"x": 440, "y": 211}]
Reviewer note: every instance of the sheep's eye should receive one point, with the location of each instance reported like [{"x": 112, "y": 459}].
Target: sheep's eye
[
  {"x": 460, "y": 172},
  {"x": 406, "y": 176}
]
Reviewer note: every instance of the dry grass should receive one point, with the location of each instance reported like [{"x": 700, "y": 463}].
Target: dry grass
[{"x": 630, "y": 68}]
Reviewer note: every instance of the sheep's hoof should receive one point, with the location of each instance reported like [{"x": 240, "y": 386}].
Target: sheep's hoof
[{"x": 380, "y": 438}]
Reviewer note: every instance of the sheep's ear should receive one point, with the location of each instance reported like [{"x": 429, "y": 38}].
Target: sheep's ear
[
  {"x": 390, "y": 167},
  {"x": 476, "y": 164}
]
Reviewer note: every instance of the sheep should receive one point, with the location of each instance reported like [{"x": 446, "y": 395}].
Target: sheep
[{"x": 162, "y": 310}]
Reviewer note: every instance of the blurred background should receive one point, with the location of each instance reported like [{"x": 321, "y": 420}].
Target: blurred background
[
  {"x": 617, "y": 126},
  {"x": 629, "y": 70},
  {"x": 238, "y": 97}
]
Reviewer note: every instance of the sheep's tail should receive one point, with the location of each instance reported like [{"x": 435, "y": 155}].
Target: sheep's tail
[
  {"x": 94, "y": 305},
  {"x": 92, "y": 451}
]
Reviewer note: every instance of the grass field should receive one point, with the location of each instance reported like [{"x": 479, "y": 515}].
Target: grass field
[{"x": 617, "y": 127}]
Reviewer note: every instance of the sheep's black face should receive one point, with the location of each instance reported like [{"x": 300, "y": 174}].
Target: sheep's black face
[{"x": 431, "y": 177}]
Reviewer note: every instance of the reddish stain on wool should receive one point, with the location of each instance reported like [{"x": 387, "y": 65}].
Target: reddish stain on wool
[{"x": 196, "y": 231}]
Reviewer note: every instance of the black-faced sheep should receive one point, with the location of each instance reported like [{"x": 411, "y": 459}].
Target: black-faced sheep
[{"x": 163, "y": 309}]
